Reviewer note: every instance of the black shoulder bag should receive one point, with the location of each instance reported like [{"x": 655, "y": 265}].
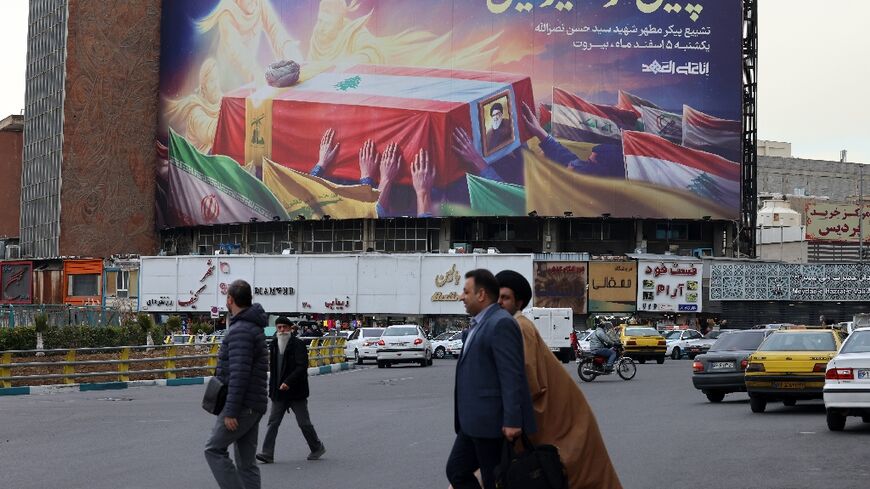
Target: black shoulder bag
[
  {"x": 215, "y": 396},
  {"x": 537, "y": 467}
]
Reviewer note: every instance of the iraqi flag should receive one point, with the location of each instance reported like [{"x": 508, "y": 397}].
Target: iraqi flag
[
  {"x": 662, "y": 123},
  {"x": 654, "y": 160},
  {"x": 575, "y": 119},
  {"x": 205, "y": 189},
  {"x": 711, "y": 134},
  {"x": 633, "y": 103}
]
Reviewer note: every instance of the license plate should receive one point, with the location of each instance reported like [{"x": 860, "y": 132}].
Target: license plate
[
  {"x": 401, "y": 344},
  {"x": 789, "y": 385},
  {"x": 863, "y": 374},
  {"x": 719, "y": 365}
]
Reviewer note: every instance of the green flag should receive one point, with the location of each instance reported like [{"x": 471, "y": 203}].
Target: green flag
[{"x": 491, "y": 198}]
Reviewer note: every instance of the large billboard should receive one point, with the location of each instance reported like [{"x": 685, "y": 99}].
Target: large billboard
[
  {"x": 819, "y": 282},
  {"x": 613, "y": 286},
  {"x": 669, "y": 286},
  {"x": 830, "y": 221},
  {"x": 287, "y": 109},
  {"x": 561, "y": 284}
]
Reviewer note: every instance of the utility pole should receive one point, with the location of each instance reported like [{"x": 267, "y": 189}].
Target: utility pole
[{"x": 861, "y": 213}]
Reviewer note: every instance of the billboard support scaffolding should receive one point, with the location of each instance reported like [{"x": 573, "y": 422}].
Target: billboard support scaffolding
[{"x": 749, "y": 208}]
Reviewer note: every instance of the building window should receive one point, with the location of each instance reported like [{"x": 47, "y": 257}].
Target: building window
[
  {"x": 672, "y": 231},
  {"x": 85, "y": 285},
  {"x": 406, "y": 235},
  {"x": 332, "y": 236}
]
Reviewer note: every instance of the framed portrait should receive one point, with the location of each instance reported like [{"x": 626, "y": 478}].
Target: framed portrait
[{"x": 496, "y": 124}]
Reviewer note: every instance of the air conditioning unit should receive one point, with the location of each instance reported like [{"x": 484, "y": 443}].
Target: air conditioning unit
[{"x": 13, "y": 252}]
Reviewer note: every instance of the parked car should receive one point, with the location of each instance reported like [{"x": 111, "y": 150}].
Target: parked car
[
  {"x": 699, "y": 346},
  {"x": 583, "y": 339},
  {"x": 677, "y": 341},
  {"x": 643, "y": 343},
  {"x": 790, "y": 365},
  {"x": 847, "y": 381},
  {"x": 440, "y": 343},
  {"x": 721, "y": 370},
  {"x": 454, "y": 347},
  {"x": 404, "y": 343},
  {"x": 362, "y": 344}
]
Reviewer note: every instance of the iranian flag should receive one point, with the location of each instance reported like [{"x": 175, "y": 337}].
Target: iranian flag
[
  {"x": 633, "y": 103},
  {"x": 205, "y": 189},
  {"x": 654, "y": 160},
  {"x": 662, "y": 123},
  {"x": 579, "y": 120},
  {"x": 711, "y": 134}
]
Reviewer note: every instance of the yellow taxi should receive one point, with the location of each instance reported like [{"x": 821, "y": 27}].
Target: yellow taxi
[
  {"x": 642, "y": 343},
  {"x": 790, "y": 366}
]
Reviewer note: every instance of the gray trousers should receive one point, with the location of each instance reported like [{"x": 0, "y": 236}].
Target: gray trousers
[
  {"x": 300, "y": 410},
  {"x": 244, "y": 474}
]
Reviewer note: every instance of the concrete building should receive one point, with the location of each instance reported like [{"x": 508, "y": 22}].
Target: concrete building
[{"x": 11, "y": 144}]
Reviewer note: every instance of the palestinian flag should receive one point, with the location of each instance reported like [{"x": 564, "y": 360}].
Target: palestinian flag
[
  {"x": 579, "y": 120},
  {"x": 662, "y": 123},
  {"x": 491, "y": 198},
  {"x": 711, "y": 134},
  {"x": 207, "y": 189},
  {"x": 654, "y": 160},
  {"x": 633, "y": 103},
  {"x": 304, "y": 195}
]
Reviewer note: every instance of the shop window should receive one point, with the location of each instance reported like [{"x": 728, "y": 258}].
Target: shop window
[{"x": 85, "y": 285}]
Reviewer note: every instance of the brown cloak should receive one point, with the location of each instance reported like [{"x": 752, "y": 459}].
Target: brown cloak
[{"x": 564, "y": 417}]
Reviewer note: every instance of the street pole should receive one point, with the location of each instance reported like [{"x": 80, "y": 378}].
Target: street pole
[{"x": 861, "y": 214}]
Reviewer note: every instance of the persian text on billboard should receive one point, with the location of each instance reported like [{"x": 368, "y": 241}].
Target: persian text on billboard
[
  {"x": 274, "y": 109},
  {"x": 612, "y": 286},
  {"x": 836, "y": 222},
  {"x": 561, "y": 284},
  {"x": 829, "y": 282},
  {"x": 669, "y": 286}
]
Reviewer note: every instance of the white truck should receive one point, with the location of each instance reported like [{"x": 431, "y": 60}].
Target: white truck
[{"x": 555, "y": 326}]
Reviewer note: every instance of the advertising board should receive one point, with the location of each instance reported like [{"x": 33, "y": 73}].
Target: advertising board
[
  {"x": 612, "y": 286},
  {"x": 561, "y": 284},
  {"x": 669, "y": 286},
  {"x": 319, "y": 284},
  {"x": 829, "y": 221},
  {"x": 820, "y": 282},
  {"x": 274, "y": 109}
]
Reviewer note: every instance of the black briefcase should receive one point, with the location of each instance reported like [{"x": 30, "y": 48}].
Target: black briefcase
[
  {"x": 215, "y": 396},
  {"x": 537, "y": 467}
]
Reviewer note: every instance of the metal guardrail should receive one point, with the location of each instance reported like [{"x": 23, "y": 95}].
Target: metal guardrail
[{"x": 321, "y": 351}]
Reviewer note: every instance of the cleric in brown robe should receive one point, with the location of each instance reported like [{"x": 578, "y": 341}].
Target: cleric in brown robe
[{"x": 562, "y": 414}]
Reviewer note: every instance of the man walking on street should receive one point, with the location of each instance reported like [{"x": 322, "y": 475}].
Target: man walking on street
[
  {"x": 243, "y": 365},
  {"x": 491, "y": 396},
  {"x": 288, "y": 389}
]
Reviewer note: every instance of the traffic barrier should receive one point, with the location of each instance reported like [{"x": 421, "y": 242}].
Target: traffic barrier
[{"x": 327, "y": 350}]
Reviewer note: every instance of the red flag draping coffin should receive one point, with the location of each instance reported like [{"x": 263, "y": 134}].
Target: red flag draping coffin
[
  {"x": 416, "y": 107},
  {"x": 711, "y": 134},
  {"x": 655, "y": 160}
]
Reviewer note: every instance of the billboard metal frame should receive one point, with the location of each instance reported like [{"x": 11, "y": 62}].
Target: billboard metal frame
[{"x": 749, "y": 200}]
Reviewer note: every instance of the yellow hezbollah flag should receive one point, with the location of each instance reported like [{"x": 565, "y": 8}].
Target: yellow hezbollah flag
[
  {"x": 313, "y": 197},
  {"x": 552, "y": 189}
]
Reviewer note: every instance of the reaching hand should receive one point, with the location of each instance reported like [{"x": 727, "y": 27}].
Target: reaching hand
[
  {"x": 423, "y": 177},
  {"x": 533, "y": 124},
  {"x": 328, "y": 151},
  {"x": 464, "y": 147},
  {"x": 391, "y": 162},
  {"x": 368, "y": 160}
]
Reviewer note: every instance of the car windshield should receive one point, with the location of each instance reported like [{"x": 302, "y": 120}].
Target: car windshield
[
  {"x": 738, "y": 341},
  {"x": 672, "y": 335},
  {"x": 858, "y": 342},
  {"x": 456, "y": 336},
  {"x": 404, "y": 331},
  {"x": 641, "y": 332},
  {"x": 444, "y": 336},
  {"x": 822, "y": 341},
  {"x": 372, "y": 333}
]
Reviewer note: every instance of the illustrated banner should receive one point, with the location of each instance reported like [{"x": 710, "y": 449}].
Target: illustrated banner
[
  {"x": 452, "y": 107},
  {"x": 561, "y": 284}
]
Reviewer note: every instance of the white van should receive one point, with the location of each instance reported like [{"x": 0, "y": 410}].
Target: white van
[{"x": 555, "y": 326}]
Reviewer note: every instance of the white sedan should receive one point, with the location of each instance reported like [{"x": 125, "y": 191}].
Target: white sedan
[
  {"x": 678, "y": 339},
  {"x": 847, "y": 381},
  {"x": 441, "y": 342},
  {"x": 362, "y": 344},
  {"x": 404, "y": 343}
]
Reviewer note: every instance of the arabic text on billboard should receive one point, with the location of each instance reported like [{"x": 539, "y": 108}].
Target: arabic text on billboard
[
  {"x": 274, "y": 109},
  {"x": 827, "y": 282},
  {"x": 669, "y": 286},
  {"x": 836, "y": 222},
  {"x": 561, "y": 284},
  {"x": 612, "y": 286}
]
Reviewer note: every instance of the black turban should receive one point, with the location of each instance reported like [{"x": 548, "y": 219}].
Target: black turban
[{"x": 516, "y": 282}]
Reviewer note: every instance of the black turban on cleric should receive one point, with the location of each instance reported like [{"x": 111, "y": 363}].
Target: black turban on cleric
[{"x": 516, "y": 282}]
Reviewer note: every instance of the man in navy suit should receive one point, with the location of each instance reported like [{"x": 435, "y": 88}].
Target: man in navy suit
[{"x": 491, "y": 397}]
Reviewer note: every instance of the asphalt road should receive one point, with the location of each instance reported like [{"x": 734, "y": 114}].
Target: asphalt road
[{"x": 392, "y": 428}]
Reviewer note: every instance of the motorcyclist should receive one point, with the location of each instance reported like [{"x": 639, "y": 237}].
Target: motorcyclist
[{"x": 600, "y": 343}]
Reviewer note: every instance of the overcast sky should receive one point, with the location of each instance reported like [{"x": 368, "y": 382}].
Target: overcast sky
[{"x": 813, "y": 72}]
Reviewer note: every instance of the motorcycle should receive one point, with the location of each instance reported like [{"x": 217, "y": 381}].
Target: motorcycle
[{"x": 591, "y": 366}]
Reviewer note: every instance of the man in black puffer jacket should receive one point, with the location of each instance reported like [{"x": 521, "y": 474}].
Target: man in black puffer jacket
[
  {"x": 288, "y": 390},
  {"x": 243, "y": 366}
]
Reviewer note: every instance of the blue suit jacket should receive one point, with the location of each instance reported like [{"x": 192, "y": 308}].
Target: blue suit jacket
[{"x": 491, "y": 386}]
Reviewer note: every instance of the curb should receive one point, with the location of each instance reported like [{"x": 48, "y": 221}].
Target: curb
[{"x": 103, "y": 386}]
